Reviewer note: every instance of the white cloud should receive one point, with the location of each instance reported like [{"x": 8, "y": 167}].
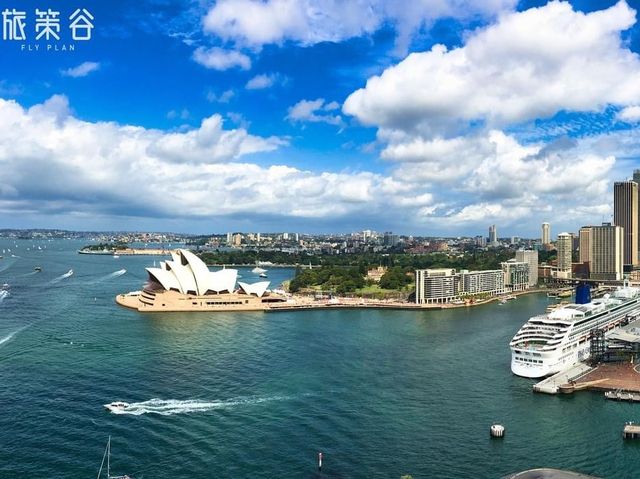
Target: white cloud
[
  {"x": 265, "y": 80},
  {"x": 124, "y": 170},
  {"x": 314, "y": 111},
  {"x": 224, "y": 97},
  {"x": 256, "y": 23},
  {"x": 630, "y": 114},
  {"x": 220, "y": 59},
  {"x": 528, "y": 65},
  {"x": 81, "y": 70}
]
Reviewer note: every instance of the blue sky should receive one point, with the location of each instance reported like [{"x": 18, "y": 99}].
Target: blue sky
[{"x": 321, "y": 116}]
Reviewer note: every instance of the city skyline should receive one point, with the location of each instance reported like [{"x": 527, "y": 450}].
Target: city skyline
[{"x": 431, "y": 120}]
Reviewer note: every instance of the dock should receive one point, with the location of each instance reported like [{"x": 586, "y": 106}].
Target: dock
[
  {"x": 551, "y": 385},
  {"x": 621, "y": 395},
  {"x": 631, "y": 431}
]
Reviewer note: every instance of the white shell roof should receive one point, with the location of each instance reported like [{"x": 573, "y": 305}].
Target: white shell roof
[
  {"x": 186, "y": 272},
  {"x": 256, "y": 288}
]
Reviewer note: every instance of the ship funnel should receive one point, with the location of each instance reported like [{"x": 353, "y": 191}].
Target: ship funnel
[{"x": 583, "y": 293}]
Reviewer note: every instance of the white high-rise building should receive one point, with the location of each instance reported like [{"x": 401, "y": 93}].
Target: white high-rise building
[
  {"x": 564, "y": 247},
  {"x": 546, "y": 234},
  {"x": 493, "y": 235},
  {"x": 531, "y": 258}
]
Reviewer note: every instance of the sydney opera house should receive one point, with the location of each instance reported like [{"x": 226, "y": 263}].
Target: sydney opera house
[{"x": 184, "y": 283}]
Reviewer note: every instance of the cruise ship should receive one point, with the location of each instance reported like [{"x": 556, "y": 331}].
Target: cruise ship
[
  {"x": 555, "y": 341},
  {"x": 184, "y": 283}
]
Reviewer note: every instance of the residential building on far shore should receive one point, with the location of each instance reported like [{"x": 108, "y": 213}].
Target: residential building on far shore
[
  {"x": 607, "y": 245},
  {"x": 546, "y": 234},
  {"x": 531, "y": 258},
  {"x": 445, "y": 285},
  {"x": 493, "y": 236},
  {"x": 437, "y": 285},
  {"x": 516, "y": 275}
]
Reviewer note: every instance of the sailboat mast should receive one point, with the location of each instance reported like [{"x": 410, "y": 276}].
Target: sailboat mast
[{"x": 109, "y": 458}]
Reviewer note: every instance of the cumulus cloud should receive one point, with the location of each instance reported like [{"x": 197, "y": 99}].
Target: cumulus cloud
[
  {"x": 81, "y": 70},
  {"x": 528, "y": 65},
  {"x": 264, "y": 80},
  {"x": 314, "y": 111},
  {"x": 630, "y": 114},
  {"x": 124, "y": 170},
  {"x": 256, "y": 23},
  {"x": 217, "y": 58}
]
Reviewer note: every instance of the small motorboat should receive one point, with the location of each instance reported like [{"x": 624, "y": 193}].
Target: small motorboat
[
  {"x": 116, "y": 406},
  {"x": 5, "y": 286},
  {"x": 263, "y": 275},
  {"x": 37, "y": 268}
]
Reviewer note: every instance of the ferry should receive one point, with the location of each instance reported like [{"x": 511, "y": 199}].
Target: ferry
[{"x": 552, "y": 342}]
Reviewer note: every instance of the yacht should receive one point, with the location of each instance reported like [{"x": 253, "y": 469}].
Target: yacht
[
  {"x": 555, "y": 341},
  {"x": 258, "y": 270},
  {"x": 116, "y": 406}
]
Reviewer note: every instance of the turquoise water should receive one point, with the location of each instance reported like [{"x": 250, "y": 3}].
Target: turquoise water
[{"x": 380, "y": 393}]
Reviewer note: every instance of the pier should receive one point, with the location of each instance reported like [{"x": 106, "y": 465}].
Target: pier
[
  {"x": 631, "y": 431},
  {"x": 620, "y": 395},
  {"x": 551, "y": 385}
]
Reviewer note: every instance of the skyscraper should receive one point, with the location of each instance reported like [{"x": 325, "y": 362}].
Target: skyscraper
[
  {"x": 625, "y": 214},
  {"x": 585, "y": 244},
  {"x": 564, "y": 254},
  {"x": 546, "y": 234},
  {"x": 607, "y": 252},
  {"x": 493, "y": 235}
]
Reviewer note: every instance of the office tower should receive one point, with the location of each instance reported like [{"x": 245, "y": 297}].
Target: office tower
[
  {"x": 607, "y": 246},
  {"x": 564, "y": 253},
  {"x": 625, "y": 214},
  {"x": 493, "y": 235},
  {"x": 546, "y": 234},
  {"x": 531, "y": 258},
  {"x": 585, "y": 244}
]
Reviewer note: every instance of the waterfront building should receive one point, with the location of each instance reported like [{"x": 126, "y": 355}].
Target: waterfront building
[
  {"x": 607, "y": 257},
  {"x": 585, "y": 247},
  {"x": 531, "y": 258},
  {"x": 564, "y": 248},
  {"x": 437, "y": 285},
  {"x": 516, "y": 275},
  {"x": 493, "y": 236},
  {"x": 482, "y": 282},
  {"x": 546, "y": 234},
  {"x": 625, "y": 214}
]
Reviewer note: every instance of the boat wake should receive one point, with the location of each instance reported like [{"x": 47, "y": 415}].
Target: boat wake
[
  {"x": 168, "y": 407},
  {"x": 61, "y": 277},
  {"x": 109, "y": 276},
  {"x": 3, "y": 294},
  {"x": 10, "y": 335}
]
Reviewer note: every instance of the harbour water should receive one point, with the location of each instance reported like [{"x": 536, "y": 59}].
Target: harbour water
[{"x": 380, "y": 393}]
